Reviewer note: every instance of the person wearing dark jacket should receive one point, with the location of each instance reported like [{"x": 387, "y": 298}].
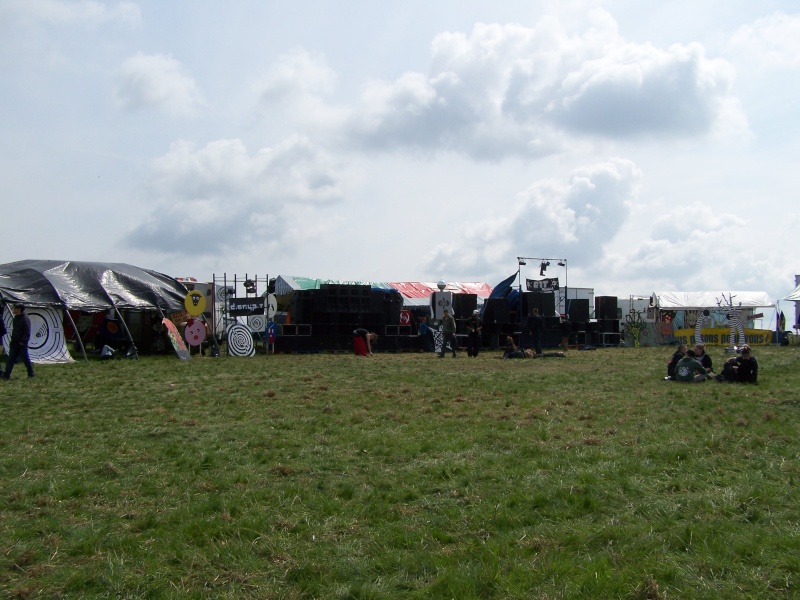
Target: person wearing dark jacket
[
  {"x": 679, "y": 354},
  {"x": 474, "y": 327},
  {"x": 18, "y": 345},
  {"x": 536, "y": 326},
  {"x": 742, "y": 369},
  {"x": 702, "y": 357}
]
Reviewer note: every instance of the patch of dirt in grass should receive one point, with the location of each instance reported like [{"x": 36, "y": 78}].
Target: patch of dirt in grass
[
  {"x": 284, "y": 470},
  {"x": 648, "y": 590}
]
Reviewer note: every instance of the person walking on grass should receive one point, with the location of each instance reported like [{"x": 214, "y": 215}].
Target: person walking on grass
[
  {"x": 449, "y": 333},
  {"x": 18, "y": 344}
]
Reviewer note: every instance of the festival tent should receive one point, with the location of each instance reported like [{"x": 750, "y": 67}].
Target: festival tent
[
  {"x": 52, "y": 286},
  {"x": 701, "y": 300},
  {"x": 733, "y": 304},
  {"x": 794, "y": 295}
]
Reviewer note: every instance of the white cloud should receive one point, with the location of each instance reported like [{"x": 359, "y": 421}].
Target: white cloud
[
  {"x": 296, "y": 74},
  {"x": 219, "y": 196},
  {"x": 576, "y": 217},
  {"x": 693, "y": 247},
  {"x": 299, "y": 85},
  {"x": 157, "y": 82},
  {"x": 513, "y": 90},
  {"x": 772, "y": 41},
  {"x": 62, "y": 12}
]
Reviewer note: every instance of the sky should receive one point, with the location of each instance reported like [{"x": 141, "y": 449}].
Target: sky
[{"x": 652, "y": 144}]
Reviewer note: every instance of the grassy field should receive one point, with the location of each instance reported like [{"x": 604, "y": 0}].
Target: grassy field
[{"x": 400, "y": 476}]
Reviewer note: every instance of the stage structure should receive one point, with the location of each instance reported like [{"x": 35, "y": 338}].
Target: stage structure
[
  {"x": 244, "y": 312},
  {"x": 547, "y": 285}
]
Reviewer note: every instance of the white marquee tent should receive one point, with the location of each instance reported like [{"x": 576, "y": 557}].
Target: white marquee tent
[
  {"x": 794, "y": 296},
  {"x": 701, "y": 300}
]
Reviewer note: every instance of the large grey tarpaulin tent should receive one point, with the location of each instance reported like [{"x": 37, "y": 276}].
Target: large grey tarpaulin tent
[{"x": 89, "y": 287}]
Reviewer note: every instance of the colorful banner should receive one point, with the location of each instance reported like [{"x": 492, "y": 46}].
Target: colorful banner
[{"x": 722, "y": 337}]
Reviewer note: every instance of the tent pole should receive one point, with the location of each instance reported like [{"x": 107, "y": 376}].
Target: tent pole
[
  {"x": 213, "y": 335},
  {"x": 127, "y": 331},
  {"x": 77, "y": 334}
]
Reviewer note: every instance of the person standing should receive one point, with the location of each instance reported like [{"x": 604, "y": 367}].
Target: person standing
[
  {"x": 536, "y": 326},
  {"x": 18, "y": 345},
  {"x": 449, "y": 333},
  {"x": 474, "y": 327},
  {"x": 565, "y": 328},
  {"x": 423, "y": 334}
]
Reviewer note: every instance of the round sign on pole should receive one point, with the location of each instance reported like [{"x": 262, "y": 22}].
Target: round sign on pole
[
  {"x": 272, "y": 306},
  {"x": 195, "y": 332},
  {"x": 195, "y": 303}
]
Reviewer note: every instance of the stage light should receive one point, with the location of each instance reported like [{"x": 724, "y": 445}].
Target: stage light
[
  {"x": 249, "y": 286},
  {"x": 561, "y": 263}
]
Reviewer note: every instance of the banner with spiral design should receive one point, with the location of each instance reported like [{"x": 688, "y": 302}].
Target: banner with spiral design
[
  {"x": 257, "y": 323},
  {"x": 240, "y": 341},
  {"x": 47, "y": 344}
]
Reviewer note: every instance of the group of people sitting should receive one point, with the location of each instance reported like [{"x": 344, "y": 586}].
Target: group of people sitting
[{"x": 695, "y": 366}]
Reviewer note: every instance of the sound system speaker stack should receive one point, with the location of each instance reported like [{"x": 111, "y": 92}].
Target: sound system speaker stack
[
  {"x": 544, "y": 301},
  {"x": 605, "y": 307},
  {"x": 578, "y": 310},
  {"x": 463, "y": 305},
  {"x": 496, "y": 311}
]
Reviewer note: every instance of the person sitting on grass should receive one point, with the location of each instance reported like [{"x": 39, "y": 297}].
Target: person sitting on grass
[
  {"x": 677, "y": 356},
  {"x": 741, "y": 369},
  {"x": 511, "y": 349},
  {"x": 702, "y": 357},
  {"x": 690, "y": 370}
]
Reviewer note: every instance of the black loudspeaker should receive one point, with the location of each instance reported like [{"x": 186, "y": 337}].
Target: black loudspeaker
[
  {"x": 605, "y": 307},
  {"x": 302, "y": 307},
  {"x": 548, "y": 304},
  {"x": 579, "y": 310},
  {"x": 609, "y": 325},
  {"x": 529, "y": 302},
  {"x": 495, "y": 310},
  {"x": 544, "y": 301},
  {"x": 551, "y": 323},
  {"x": 392, "y": 305},
  {"x": 551, "y": 338},
  {"x": 464, "y": 304},
  {"x": 376, "y": 302}
]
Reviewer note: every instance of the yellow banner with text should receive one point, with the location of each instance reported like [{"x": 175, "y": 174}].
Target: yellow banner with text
[{"x": 721, "y": 337}]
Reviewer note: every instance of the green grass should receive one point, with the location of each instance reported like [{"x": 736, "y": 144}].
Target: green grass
[{"x": 400, "y": 476}]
